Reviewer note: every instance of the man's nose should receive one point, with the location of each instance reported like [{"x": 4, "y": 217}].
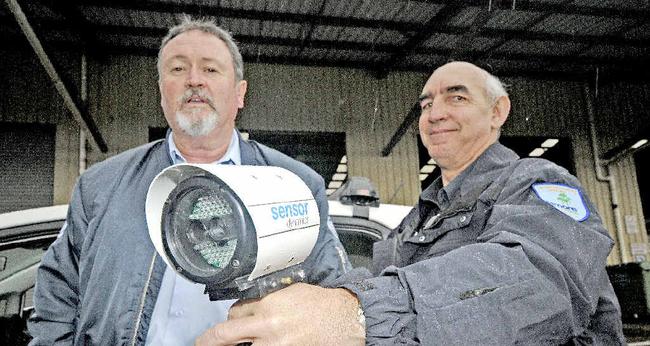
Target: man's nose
[
  {"x": 435, "y": 113},
  {"x": 194, "y": 78}
]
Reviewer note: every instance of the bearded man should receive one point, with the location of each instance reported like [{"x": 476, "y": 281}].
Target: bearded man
[{"x": 101, "y": 281}]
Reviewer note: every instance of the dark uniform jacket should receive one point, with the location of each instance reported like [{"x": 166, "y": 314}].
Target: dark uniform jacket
[
  {"x": 98, "y": 282},
  {"x": 488, "y": 260}
]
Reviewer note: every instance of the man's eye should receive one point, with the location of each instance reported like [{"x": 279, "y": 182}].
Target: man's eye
[
  {"x": 177, "y": 69},
  {"x": 425, "y": 106},
  {"x": 211, "y": 69},
  {"x": 458, "y": 98}
]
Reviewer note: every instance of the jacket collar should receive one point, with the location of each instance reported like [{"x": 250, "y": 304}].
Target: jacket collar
[
  {"x": 250, "y": 152},
  {"x": 486, "y": 169},
  {"x": 475, "y": 178}
]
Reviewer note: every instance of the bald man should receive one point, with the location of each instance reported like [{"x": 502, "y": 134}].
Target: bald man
[{"x": 499, "y": 250}]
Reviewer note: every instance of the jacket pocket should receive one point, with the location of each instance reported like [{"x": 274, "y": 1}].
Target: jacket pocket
[{"x": 517, "y": 313}]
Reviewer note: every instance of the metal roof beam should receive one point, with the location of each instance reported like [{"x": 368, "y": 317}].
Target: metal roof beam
[
  {"x": 569, "y": 9},
  {"x": 75, "y": 20},
  {"x": 506, "y": 38},
  {"x": 504, "y": 34},
  {"x": 410, "y": 118},
  {"x": 419, "y": 37},
  {"x": 622, "y": 71},
  {"x": 384, "y": 48},
  {"x": 463, "y": 50},
  {"x": 307, "y": 35},
  {"x": 527, "y": 35},
  {"x": 565, "y": 8},
  {"x": 189, "y": 8},
  {"x": 218, "y": 11}
]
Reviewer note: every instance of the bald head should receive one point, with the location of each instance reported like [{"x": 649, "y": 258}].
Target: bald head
[
  {"x": 493, "y": 88},
  {"x": 463, "y": 109},
  {"x": 456, "y": 65}
]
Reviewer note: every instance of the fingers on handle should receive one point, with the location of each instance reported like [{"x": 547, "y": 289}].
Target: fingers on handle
[{"x": 231, "y": 332}]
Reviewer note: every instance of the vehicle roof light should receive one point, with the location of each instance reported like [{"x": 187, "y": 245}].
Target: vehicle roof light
[{"x": 356, "y": 191}]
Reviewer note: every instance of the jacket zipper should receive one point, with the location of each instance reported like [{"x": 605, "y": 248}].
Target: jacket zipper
[
  {"x": 144, "y": 296},
  {"x": 445, "y": 215}
]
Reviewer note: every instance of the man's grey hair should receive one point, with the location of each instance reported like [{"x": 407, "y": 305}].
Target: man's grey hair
[
  {"x": 494, "y": 88},
  {"x": 207, "y": 26}
]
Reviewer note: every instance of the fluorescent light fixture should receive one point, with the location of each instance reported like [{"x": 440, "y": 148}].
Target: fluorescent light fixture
[
  {"x": 334, "y": 184},
  {"x": 537, "y": 152},
  {"x": 423, "y": 176},
  {"x": 244, "y": 135},
  {"x": 431, "y": 162},
  {"x": 329, "y": 191},
  {"x": 639, "y": 144},
  {"x": 344, "y": 159},
  {"x": 342, "y": 168},
  {"x": 550, "y": 143},
  {"x": 339, "y": 176},
  {"x": 427, "y": 169}
]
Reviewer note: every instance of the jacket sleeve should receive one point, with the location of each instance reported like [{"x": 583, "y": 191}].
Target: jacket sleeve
[
  {"x": 535, "y": 276},
  {"x": 56, "y": 294},
  {"x": 328, "y": 259}
]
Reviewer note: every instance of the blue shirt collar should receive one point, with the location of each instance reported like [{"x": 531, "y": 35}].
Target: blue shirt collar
[{"x": 233, "y": 153}]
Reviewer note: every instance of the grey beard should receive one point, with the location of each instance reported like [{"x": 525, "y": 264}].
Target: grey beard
[{"x": 196, "y": 126}]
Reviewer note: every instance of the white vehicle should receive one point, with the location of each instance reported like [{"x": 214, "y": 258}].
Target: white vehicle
[
  {"x": 361, "y": 220},
  {"x": 25, "y": 235}
]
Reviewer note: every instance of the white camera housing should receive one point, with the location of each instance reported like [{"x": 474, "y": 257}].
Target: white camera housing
[{"x": 271, "y": 202}]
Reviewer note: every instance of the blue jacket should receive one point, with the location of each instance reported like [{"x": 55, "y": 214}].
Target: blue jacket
[
  {"x": 98, "y": 282},
  {"x": 490, "y": 259}
]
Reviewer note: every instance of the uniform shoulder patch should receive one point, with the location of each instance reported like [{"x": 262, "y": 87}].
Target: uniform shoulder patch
[{"x": 564, "y": 198}]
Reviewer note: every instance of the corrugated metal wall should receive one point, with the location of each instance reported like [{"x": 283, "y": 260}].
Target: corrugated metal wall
[
  {"x": 542, "y": 108},
  {"x": 545, "y": 108},
  {"x": 631, "y": 238},
  {"x": 630, "y": 235},
  {"x": 66, "y": 161},
  {"x": 369, "y": 110},
  {"x": 598, "y": 192},
  {"x": 377, "y": 108},
  {"x": 124, "y": 101},
  {"x": 632, "y": 223}
]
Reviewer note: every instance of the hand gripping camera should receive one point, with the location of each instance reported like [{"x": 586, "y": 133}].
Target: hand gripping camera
[{"x": 242, "y": 231}]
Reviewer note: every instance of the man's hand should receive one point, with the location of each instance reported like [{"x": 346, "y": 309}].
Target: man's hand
[{"x": 300, "y": 314}]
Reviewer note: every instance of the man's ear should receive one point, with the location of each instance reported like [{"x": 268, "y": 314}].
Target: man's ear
[
  {"x": 500, "y": 111},
  {"x": 242, "y": 86}
]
